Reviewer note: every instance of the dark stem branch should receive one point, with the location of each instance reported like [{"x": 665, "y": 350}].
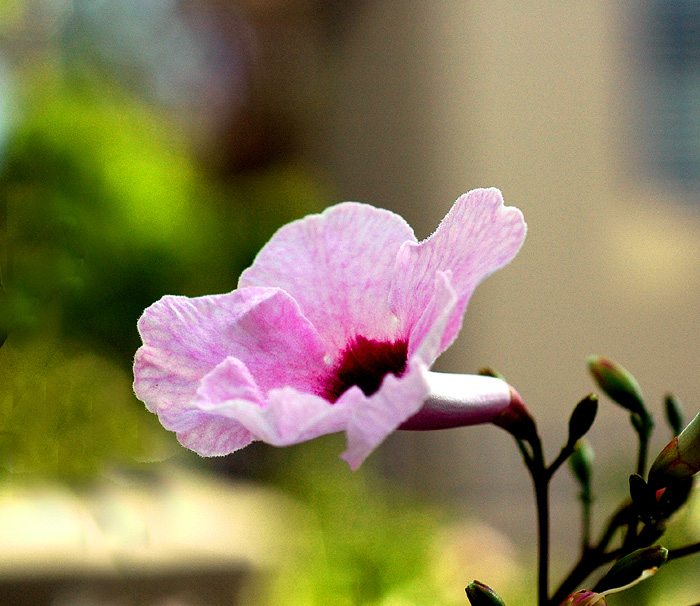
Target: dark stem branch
[
  {"x": 681, "y": 552},
  {"x": 534, "y": 460},
  {"x": 542, "y": 498},
  {"x": 594, "y": 557}
]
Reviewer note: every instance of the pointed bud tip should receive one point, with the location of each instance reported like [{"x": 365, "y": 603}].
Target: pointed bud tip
[{"x": 480, "y": 594}]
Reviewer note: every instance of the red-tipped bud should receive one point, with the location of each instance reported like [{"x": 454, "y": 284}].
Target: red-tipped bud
[
  {"x": 680, "y": 459},
  {"x": 618, "y": 383}
]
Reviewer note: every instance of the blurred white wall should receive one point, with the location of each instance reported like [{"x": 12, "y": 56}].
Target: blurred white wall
[{"x": 537, "y": 99}]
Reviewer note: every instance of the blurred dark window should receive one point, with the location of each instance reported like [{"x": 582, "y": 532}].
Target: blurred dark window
[{"x": 670, "y": 54}]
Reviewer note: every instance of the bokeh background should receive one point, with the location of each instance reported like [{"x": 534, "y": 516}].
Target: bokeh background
[{"x": 152, "y": 147}]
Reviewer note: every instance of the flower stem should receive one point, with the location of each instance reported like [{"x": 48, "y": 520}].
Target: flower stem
[
  {"x": 643, "y": 425},
  {"x": 680, "y": 552},
  {"x": 593, "y": 557},
  {"x": 586, "y": 505},
  {"x": 542, "y": 496},
  {"x": 534, "y": 460}
]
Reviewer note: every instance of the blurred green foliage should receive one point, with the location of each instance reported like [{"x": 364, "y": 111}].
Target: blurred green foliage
[
  {"x": 103, "y": 210},
  {"x": 66, "y": 412},
  {"x": 367, "y": 542},
  {"x": 104, "y": 215}
]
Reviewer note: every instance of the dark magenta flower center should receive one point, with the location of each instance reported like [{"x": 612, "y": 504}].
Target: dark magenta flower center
[{"x": 365, "y": 362}]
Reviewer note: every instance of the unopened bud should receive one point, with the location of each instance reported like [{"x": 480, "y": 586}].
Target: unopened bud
[
  {"x": 643, "y": 498},
  {"x": 618, "y": 383},
  {"x": 674, "y": 413},
  {"x": 627, "y": 572},
  {"x": 643, "y": 424},
  {"x": 482, "y": 595},
  {"x": 680, "y": 459},
  {"x": 633, "y": 568},
  {"x": 581, "y": 465},
  {"x": 582, "y": 418}
]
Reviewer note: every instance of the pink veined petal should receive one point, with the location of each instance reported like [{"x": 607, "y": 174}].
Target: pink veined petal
[
  {"x": 426, "y": 337},
  {"x": 185, "y": 339},
  {"x": 214, "y": 436},
  {"x": 287, "y": 416},
  {"x": 375, "y": 417},
  {"x": 338, "y": 267},
  {"x": 478, "y": 236}
]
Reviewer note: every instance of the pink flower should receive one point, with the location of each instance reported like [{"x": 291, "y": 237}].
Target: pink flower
[{"x": 333, "y": 328}]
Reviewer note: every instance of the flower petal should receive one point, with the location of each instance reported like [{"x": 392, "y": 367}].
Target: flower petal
[
  {"x": 215, "y": 434},
  {"x": 427, "y": 335},
  {"x": 478, "y": 236},
  {"x": 374, "y": 418},
  {"x": 286, "y": 417},
  {"x": 185, "y": 339},
  {"x": 338, "y": 267}
]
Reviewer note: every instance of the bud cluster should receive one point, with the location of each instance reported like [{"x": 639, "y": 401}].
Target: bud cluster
[{"x": 639, "y": 522}]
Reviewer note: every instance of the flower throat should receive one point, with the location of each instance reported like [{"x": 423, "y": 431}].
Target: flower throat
[{"x": 365, "y": 362}]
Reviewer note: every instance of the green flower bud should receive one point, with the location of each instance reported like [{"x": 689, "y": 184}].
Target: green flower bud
[
  {"x": 680, "y": 459},
  {"x": 633, "y": 568},
  {"x": 674, "y": 414},
  {"x": 582, "y": 418},
  {"x": 618, "y": 383},
  {"x": 643, "y": 498},
  {"x": 581, "y": 465},
  {"x": 627, "y": 571},
  {"x": 482, "y": 595}
]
